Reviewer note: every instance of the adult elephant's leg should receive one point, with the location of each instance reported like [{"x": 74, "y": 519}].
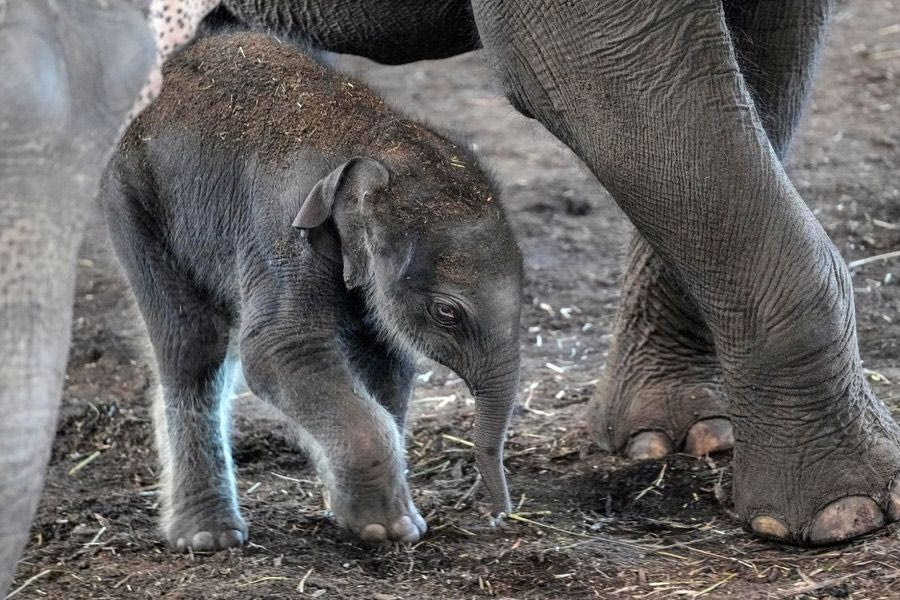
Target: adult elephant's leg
[
  {"x": 37, "y": 256},
  {"x": 662, "y": 387},
  {"x": 70, "y": 72},
  {"x": 650, "y": 95},
  {"x": 777, "y": 44}
]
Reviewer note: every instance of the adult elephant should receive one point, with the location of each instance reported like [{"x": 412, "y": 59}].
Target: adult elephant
[
  {"x": 737, "y": 320},
  {"x": 71, "y": 74}
]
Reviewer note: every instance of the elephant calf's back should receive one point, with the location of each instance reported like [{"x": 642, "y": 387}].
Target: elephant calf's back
[{"x": 253, "y": 93}]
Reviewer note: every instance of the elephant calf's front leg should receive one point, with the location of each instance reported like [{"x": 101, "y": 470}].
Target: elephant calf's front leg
[
  {"x": 384, "y": 370},
  {"x": 356, "y": 443}
]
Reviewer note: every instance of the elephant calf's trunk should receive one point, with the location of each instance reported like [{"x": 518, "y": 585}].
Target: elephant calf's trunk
[{"x": 492, "y": 415}]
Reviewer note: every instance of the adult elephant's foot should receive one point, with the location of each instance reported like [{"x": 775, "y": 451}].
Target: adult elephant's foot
[
  {"x": 662, "y": 418},
  {"x": 662, "y": 390},
  {"x": 819, "y": 481}
]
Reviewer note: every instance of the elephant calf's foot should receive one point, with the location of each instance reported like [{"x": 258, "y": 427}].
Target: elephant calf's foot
[
  {"x": 839, "y": 486},
  {"x": 205, "y": 527},
  {"x": 650, "y": 418},
  {"x": 380, "y": 516}
]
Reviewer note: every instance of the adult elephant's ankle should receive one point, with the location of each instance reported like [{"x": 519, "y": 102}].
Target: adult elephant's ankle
[
  {"x": 792, "y": 339},
  {"x": 816, "y": 454}
]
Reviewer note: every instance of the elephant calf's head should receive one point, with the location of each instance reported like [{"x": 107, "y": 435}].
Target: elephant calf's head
[{"x": 423, "y": 234}]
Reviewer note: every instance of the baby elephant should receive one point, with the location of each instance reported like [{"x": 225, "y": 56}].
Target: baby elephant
[{"x": 277, "y": 219}]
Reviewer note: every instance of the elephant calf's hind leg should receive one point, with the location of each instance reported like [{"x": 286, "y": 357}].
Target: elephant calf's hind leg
[
  {"x": 190, "y": 339},
  {"x": 199, "y": 502}
]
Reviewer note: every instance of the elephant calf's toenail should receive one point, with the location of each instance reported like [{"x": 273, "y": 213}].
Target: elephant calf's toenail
[
  {"x": 708, "y": 436},
  {"x": 893, "y": 508},
  {"x": 769, "y": 527},
  {"x": 845, "y": 519},
  {"x": 231, "y": 539},
  {"x": 203, "y": 541},
  {"x": 649, "y": 444},
  {"x": 404, "y": 530},
  {"x": 373, "y": 533}
]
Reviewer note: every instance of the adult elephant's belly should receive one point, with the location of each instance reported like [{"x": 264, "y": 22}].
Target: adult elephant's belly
[{"x": 387, "y": 31}]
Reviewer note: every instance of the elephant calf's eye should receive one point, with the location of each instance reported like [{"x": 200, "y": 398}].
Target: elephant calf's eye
[{"x": 445, "y": 313}]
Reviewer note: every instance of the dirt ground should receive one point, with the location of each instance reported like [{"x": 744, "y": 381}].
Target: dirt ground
[{"x": 589, "y": 524}]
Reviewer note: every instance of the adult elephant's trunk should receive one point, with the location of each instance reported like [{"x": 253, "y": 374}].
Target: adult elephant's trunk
[
  {"x": 495, "y": 399},
  {"x": 70, "y": 72}
]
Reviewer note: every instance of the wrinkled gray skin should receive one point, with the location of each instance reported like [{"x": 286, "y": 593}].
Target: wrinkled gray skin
[
  {"x": 388, "y": 31},
  {"x": 319, "y": 268},
  {"x": 732, "y": 285}
]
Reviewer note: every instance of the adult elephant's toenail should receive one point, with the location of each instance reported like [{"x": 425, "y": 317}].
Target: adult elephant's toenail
[
  {"x": 708, "y": 436},
  {"x": 374, "y": 532},
  {"x": 649, "y": 444},
  {"x": 845, "y": 519},
  {"x": 769, "y": 528}
]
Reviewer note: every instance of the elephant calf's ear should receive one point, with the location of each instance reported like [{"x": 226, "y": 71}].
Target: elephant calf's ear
[{"x": 356, "y": 177}]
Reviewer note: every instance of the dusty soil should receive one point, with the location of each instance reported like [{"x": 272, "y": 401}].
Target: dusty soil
[{"x": 591, "y": 525}]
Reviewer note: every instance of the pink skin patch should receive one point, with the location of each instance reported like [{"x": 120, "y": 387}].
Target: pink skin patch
[{"x": 173, "y": 23}]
